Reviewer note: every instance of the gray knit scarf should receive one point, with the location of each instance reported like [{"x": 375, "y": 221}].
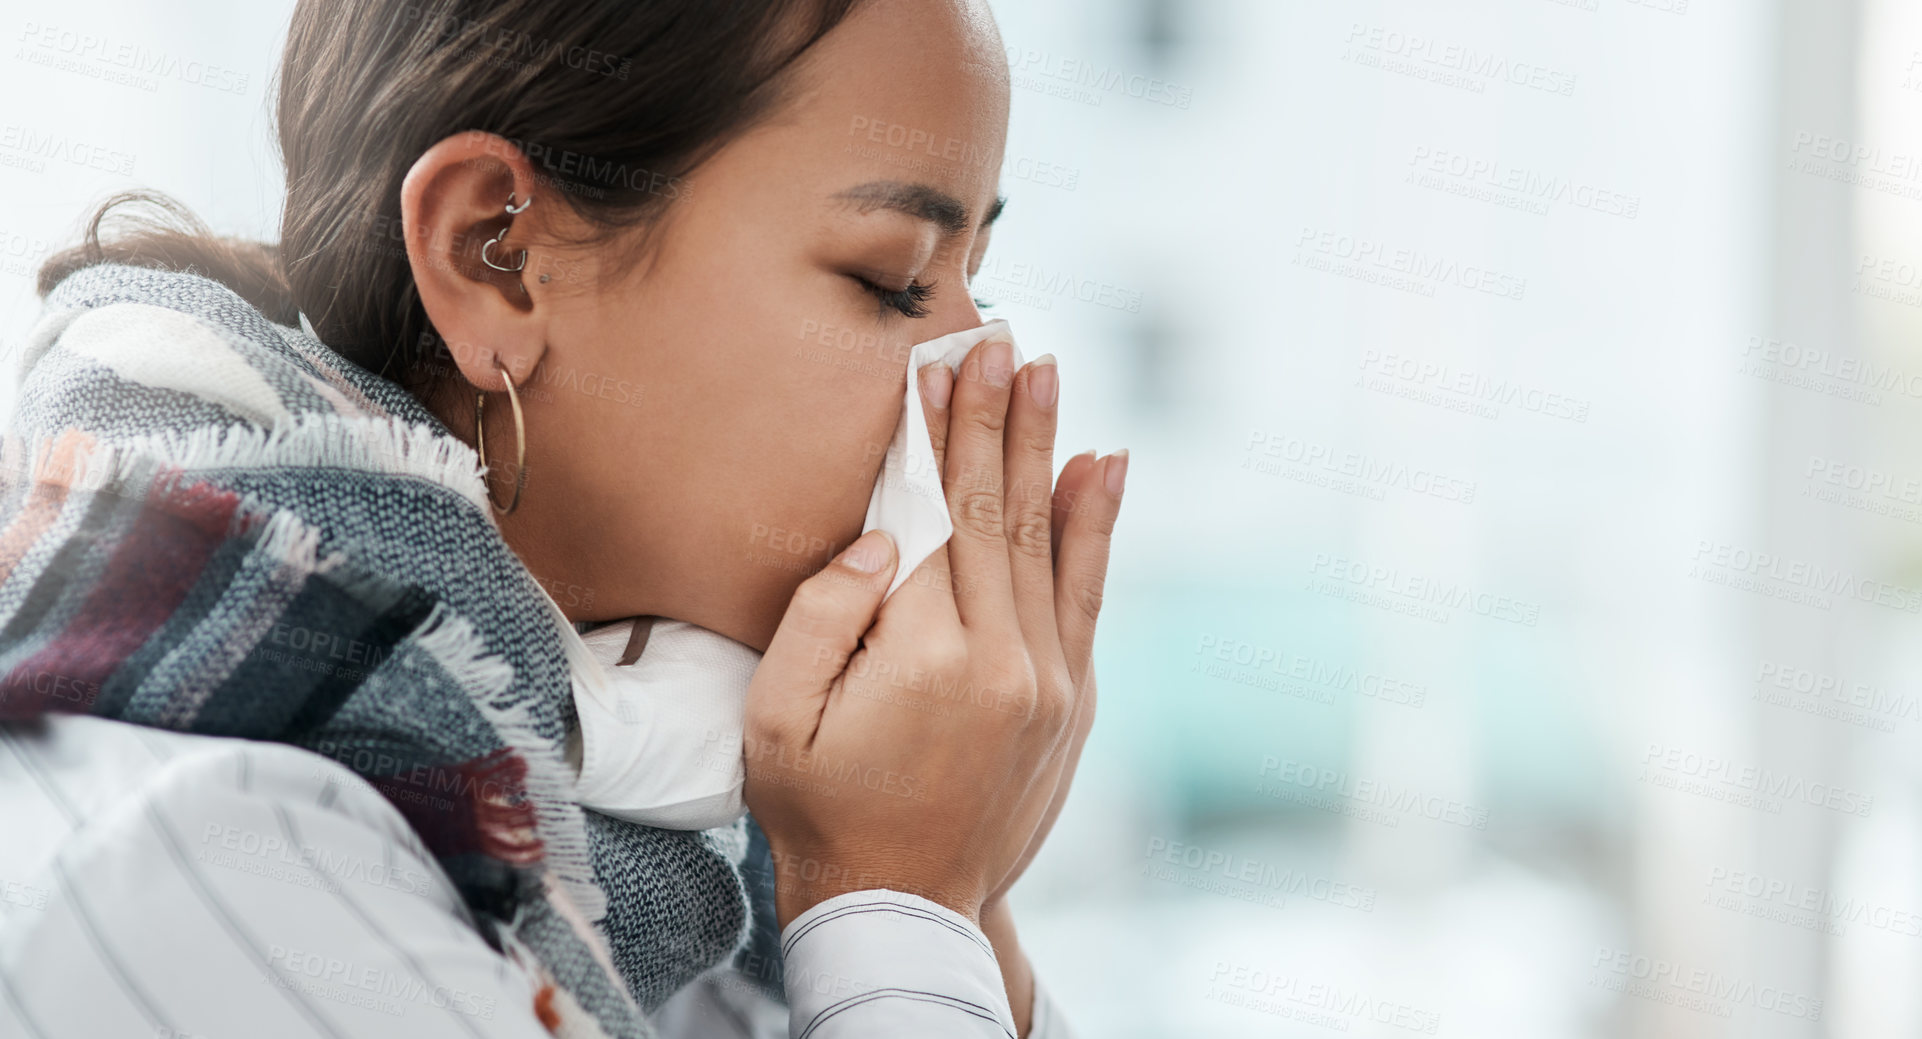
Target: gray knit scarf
[{"x": 212, "y": 523}]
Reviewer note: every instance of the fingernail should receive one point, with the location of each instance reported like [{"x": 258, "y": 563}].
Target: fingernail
[
  {"x": 997, "y": 363},
  {"x": 870, "y": 552},
  {"x": 1117, "y": 471},
  {"x": 1044, "y": 381},
  {"x": 938, "y": 384}
]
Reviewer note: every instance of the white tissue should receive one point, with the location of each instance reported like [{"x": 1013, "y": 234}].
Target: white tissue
[{"x": 907, "y": 501}]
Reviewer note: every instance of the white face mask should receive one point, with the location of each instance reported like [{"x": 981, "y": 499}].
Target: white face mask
[{"x": 660, "y": 738}]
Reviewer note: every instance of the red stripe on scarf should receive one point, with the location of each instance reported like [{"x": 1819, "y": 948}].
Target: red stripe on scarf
[
  {"x": 479, "y": 805},
  {"x": 150, "y": 572}
]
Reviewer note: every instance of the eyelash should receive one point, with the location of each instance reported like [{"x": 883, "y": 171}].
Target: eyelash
[{"x": 909, "y": 302}]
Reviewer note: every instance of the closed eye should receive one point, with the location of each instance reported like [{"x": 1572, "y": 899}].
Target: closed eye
[{"x": 910, "y": 301}]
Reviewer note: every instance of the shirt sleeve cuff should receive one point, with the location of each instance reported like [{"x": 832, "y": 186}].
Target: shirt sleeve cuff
[{"x": 887, "y": 963}]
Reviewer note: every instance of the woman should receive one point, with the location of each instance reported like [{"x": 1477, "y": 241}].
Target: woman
[{"x": 299, "y": 712}]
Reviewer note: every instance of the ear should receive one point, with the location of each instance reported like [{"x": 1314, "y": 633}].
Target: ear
[{"x": 452, "y": 203}]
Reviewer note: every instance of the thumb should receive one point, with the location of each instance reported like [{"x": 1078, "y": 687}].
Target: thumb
[{"x": 820, "y": 631}]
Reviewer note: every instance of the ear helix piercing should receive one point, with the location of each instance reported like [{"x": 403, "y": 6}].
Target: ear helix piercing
[{"x": 512, "y": 210}]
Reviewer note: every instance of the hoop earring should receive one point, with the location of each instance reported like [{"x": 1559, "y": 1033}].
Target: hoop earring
[{"x": 520, "y": 441}]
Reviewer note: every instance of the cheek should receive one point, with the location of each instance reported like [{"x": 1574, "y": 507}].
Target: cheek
[
  {"x": 807, "y": 400},
  {"x": 813, "y": 435},
  {"x": 774, "y": 439}
]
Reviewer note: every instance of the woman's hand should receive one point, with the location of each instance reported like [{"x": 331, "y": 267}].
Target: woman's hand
[{"x": 929, "y": 750}]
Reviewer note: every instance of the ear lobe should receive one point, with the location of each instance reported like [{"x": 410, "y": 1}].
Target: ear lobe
[{"x": 454, "y": 203}]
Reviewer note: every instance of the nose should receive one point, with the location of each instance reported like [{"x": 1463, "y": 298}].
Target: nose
[{"x": 955, "y": 311}]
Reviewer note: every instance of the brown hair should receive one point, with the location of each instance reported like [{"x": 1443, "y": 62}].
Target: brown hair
[{"x": 613, "y": 101}]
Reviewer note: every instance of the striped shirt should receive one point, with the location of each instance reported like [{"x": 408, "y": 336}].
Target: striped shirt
[{"x": 194, "y": 887}]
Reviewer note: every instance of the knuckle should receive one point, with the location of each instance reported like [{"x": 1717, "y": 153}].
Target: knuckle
[
  {"x": 1087, "y": 595},
  {"x": 978, "y": 510},
  {"x": 945, "y": 654},
  {"x": 1050, "y": 715},
  {"x": 1053, "y": 711},
  {"x": 1038, "y": 442},
  {"x": 1013, "y": 676},
  {"x": 1029, "y": 533},
  {"x": 986, "y": 420}
]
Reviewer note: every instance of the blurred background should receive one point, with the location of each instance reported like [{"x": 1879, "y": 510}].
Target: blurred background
[{"x": 1512, "y": 630}]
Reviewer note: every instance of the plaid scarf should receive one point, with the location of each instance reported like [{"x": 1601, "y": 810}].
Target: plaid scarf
[{"x": 212, "y": 523}]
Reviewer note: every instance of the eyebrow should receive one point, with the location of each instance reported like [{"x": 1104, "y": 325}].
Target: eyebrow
[{"x": 919, "y": 201}]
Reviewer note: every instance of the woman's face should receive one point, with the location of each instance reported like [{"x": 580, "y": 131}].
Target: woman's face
[{"x": 704, "y": 430}]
